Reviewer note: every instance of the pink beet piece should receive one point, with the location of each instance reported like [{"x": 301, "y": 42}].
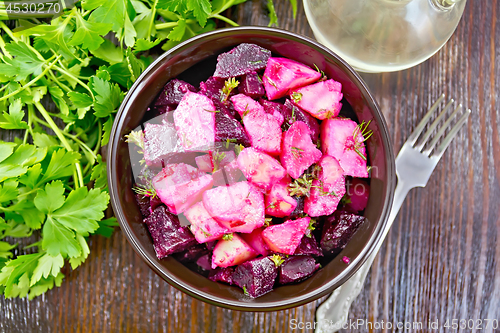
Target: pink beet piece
[
  {"x": 206, "y": 162},
  {"x": 341, "y": 138},
  {"x": 259, "y": 168},
  {"x": 358, "y": 192},
  {"x": 245, "y": 105},
  {"x": 285, "y": 238},
  {"x": 255, "y": 240},
  {"x": 298, "y": 152},
  {"x": 283, "y": 74},
  {"x": 238, "y": 207},
  {"x": 180, "y": 185},
  {"x": 160, "y": 143},
  {"x": 251, "y": 85},
  {"x": 321, "y": 100},
  {"x": 203, "y": 226},
  {"x": 277, "y": 110},
  {"x": 278, "y": 201},
  {"x": 264, "y": 131},
  {"x": 195, "y": 121},
  {"x": 231, "y": 252},
  {"x": 228, "y": 175},
  {"x": 327, "y": 190}
]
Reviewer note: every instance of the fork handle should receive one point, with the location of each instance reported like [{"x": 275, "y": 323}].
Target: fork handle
[{"x": 333, "y": 313}]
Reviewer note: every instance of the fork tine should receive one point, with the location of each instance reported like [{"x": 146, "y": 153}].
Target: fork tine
[
  {"x": 447, "y": 140},
  {"x": 434, "y": 124},
  {"x": 441, "y": 131},
  {"x": 420, "y": 127}
]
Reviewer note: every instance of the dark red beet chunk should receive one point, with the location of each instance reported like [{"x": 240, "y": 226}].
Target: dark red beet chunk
[
  {"x": 243, "y": 59},
  {"x": 154, "y": 202},
  {"x": 212, "y": 87},
  {"x": 168, "y": 235},
  {"x": 338, "y": 230},
  {"x": 211, "y": 245},
  {"x": 160, "y": 143},
  {"x": 293, "y": 113},
  {"x": 192, "y": 254},
  {"x": 173, "y": 92},
  {"x": 143, "y": 202},
  {"x": 299, "y": 209},
  {"x": 309, "y": 246},
  {"x": 156, "y": 111},
  {"x": 256, "y": 276},
  {"x": 297, "y": 268},
  {"x": 205, "y": 262},
  {"x": 227, "y": 127},
  {"x": 224, "y": 274},
  {"x": 251, "y": 85}
]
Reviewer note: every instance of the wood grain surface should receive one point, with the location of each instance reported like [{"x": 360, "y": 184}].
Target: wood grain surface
[{"x": 440, "y": 260}]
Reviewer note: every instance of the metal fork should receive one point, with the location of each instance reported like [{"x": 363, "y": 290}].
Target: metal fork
[{"x": 414, "y": 165}]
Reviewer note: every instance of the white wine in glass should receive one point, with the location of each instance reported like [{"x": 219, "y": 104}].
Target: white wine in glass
[{"x": 383, "y": 35}]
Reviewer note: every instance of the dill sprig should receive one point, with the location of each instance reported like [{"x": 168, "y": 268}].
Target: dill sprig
[
  {"x": 137, "y": 138},
  {"x": 297, "y": 152},
  {"x": 228, "y": 237},
  {"x": 363, "y": 131},
  {"x": 301, "y": 186},
  {"x": 217, "y": 159},
  {"x": 145, "y": 191},
  {"x": 229, "y": 85},
  {"x": 296, "y": 96},
  {"x": 277, "y": 259}
]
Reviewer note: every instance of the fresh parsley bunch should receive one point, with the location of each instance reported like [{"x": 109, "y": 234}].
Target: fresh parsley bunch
[{"x": 53, "y": 178}]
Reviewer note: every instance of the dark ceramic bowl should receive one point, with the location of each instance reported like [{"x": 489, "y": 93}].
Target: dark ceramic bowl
[{"x": 190, "y": 59}]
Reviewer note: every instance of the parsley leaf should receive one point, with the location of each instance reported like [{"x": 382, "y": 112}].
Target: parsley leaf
[
  {"x": 108, "y": 96},
  {"x": 82, "y": 209},
  {"x": 178, "y": 32},
  {"x": 58, "y": 239},
  {"x": 201, "y": 10},
  {"x": 87, "y": 34},
  {"x": 51, "y": 198},
  {"x": 13, "y": 119},
  {"x": 80, "y": 100},
  {"x": 60, "y": 165}
]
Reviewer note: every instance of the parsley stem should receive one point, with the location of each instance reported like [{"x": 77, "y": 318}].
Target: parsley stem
[
  {"x": 225, "y": 19},
  {"x": 223, "y": 8},
  {"x": 4, "y": 51},
  {"x": 8, "y": 31},
  {"x": 61, "y": 137},
  {"x": 166, "y": 25},
  {"x": 65, "y": 72},
  {"x": 47, "y": 68},
  {"x": 30, "y": 120},
  {"x": 59, "y": 83},
  {"x": 71, "y": 136},
  {"x": 99, "y": 137},
  {"x": 152, "y": 22}
]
